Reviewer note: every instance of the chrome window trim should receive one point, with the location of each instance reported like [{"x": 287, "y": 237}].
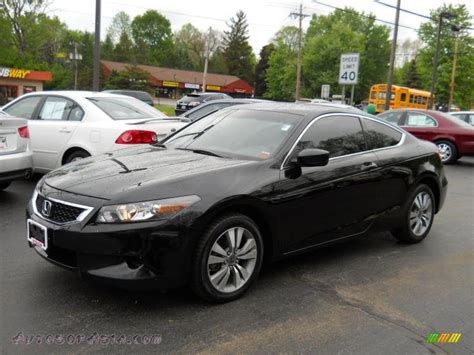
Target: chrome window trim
[
  {"x": 80, "y": 218},
  {"x": 396, "y": 128}
]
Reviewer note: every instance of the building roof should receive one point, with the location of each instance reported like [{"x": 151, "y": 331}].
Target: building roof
[{"x": 167, "y": 74}]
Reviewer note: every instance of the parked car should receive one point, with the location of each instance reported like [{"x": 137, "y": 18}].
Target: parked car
[
  {"x": 195, "y": 99},
  {"x": 215, "y": 105},
  {"x": 140, "y": 95},
  {"x": 320, "y": 101},
  {"x": 210, "y": 203},
  {"x": 69, "y": 125},
  {"x": 15, "y": 155},
  {"x": 466, "y": 116},
  {"x": 453, "y": 137}
]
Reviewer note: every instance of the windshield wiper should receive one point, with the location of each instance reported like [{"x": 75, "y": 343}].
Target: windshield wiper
[
  {"x": 202, "y": 151},
  {"x": 195, "y": 134}
]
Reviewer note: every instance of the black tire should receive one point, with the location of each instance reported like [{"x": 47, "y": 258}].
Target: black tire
[
  {"x": 448, "y": 152},
  {"x": 200, "y": 275},
  {"x": 76, "y": 155},
  {"x": 406, "y": 233},
  {"x": 4, "y": 185}
]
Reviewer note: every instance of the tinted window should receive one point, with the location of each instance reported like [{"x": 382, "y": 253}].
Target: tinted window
[
  {"x": 391, "y": 116},
  {"x": 339, "y": 135},
  {"x": 123, "y": 109},
  {"x": 245, "y": 134},
  {"x": 58, "y": 108},
  {"x": 206, "y": 110},
  {"x": 380, "y": 135},
  {"x": 417, "y": 119},
  {"x": 24, "y": 108},
  {"x": 192, "y": 98}
]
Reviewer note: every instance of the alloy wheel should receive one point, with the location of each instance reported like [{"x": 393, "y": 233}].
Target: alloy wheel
[
  {"x": 445, "y": 151},
  {"x": 421, "y": 213},
  {"x": 232, "y": 259}
]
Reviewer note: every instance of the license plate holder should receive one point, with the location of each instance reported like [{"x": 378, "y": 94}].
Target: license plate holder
[{"x": 37, "y": 234}]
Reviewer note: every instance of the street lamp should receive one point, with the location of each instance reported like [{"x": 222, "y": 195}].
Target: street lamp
[
  {"x": 455, "y": 29},
  {"x": 448, "y": 16}
]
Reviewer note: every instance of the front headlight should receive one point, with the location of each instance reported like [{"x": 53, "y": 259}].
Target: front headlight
[{"x": 145, "y": 211}]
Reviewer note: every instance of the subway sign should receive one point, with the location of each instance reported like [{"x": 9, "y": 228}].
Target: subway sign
[{"x": 13, "y": 73}]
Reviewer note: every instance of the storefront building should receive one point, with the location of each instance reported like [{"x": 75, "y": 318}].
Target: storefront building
[
  {"x": 16, "y": 82},
  {"x": 174, "y": 83}
]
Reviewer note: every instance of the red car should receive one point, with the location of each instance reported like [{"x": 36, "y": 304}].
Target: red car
[{"x": 453, "y": 137}]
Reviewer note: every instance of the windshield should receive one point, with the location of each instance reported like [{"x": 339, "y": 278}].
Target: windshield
[
  {"x": 125, "y": 108},
  {"x": 246, "y": 134},
  {"x": 192, "y": 98}
]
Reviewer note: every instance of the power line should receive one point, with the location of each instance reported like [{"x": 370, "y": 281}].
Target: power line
[{"x": 363, "y": 15}]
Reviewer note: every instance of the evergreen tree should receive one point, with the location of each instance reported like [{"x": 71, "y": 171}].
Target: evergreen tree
[
  {"x": 237, "y": 50},
  {"x": 412, "y": 79},
  {"x": 261, "y": 69}
]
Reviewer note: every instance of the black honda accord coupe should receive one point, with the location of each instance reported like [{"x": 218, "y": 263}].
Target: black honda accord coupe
[{"x": 208, "y": 205}]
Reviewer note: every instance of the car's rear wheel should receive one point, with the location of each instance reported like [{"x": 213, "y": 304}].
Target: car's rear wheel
[
  {"x": 447, "y": 151},
  {"x": 4, "y": 185},
  {"x": 418, "y": 216},
  {"x": 227, "y": 259},
  {"x": 76, "y": 155}
]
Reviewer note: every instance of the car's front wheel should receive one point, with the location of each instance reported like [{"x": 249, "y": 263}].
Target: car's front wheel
[
  {"x": 227, "y": 259},
  {"x": 418, "y": 216}
]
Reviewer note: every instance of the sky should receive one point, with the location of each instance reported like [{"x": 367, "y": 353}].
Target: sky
[{"x": 265, "y": 17}]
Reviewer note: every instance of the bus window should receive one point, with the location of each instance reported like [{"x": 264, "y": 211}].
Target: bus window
[
  {"x": 373, "y": 95},
  {"x": 403, "y": 97},
  {"x": 412, "y": 99}
]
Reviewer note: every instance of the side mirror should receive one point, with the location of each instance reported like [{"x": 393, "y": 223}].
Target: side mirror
[{"x": 313, "y": 157}]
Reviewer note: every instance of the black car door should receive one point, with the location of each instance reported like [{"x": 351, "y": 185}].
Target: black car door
[{"x": 331, "y": 201}]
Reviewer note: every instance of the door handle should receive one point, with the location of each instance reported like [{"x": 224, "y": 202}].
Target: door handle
[
  {"x": 368, "y": 166},
  {"x": 64, "y": 130}
]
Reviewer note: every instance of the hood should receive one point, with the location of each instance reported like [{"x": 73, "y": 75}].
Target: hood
[{"x": 109, "y": 175}]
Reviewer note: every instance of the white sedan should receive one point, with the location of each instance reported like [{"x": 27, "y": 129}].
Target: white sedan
[{"x": 65, "y": 126}]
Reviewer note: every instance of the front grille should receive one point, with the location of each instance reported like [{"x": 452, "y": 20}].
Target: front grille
[{"x": 60, "y": 213}]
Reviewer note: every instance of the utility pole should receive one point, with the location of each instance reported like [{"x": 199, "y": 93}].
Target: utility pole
[
  {"x": 206, "y": 60},
  {"x": 388, "y": 91},
  {"x": 96, "y": 67},
  {"x": 455, "y": 30},
  {"x": 442, "y": 15},
  {"x": 300, "y": 16}
]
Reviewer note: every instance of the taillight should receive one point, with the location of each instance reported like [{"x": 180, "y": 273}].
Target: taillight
[
  {"x": 137, "y": 137},
  {"x": 23, "y": 132}
]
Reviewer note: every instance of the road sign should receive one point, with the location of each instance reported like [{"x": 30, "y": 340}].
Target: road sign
[
  {"x": 325, "y": 91},
  {"x": 349, "y": 69}
]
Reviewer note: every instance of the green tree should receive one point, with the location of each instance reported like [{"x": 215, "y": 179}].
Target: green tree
[
  {"x": 344, "y": 31},
  {"x": 189, "y": 48},
  {"x": 120, "y": 24},
  {"x": 281, "y": 72},
  {"x": 107, "y": 48},
  {"x": 153, "y": 38},
  {"x": 132, "y": 78},
  {"x": 464, "y": 87},
  {"x": 240, "y": 59},
  {"x": 261, "y": 69},
  {"x": 124, "y": 50},
  {"x": 411, "y": 78}
]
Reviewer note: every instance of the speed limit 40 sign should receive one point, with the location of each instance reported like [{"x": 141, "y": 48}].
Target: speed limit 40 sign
[{"x": 349, "y": 69}]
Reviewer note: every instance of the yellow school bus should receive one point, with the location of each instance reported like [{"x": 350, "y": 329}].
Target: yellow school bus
[{"x": 401, "y": 97}]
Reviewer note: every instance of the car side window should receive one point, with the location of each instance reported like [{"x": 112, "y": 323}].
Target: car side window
[
  {"x": 339, "y": 135},
  {"x": 24, "y": 108},
  {"x": 380, "y": 135},
  {"x": 391, "y": 116},
  {"x": 470, "y": 119},
  {"x": 58, "y": 108},
  {"x": 417, "y": 119}
]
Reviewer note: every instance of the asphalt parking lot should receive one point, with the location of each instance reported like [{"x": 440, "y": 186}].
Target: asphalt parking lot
[{"x": 371, "y": 295}]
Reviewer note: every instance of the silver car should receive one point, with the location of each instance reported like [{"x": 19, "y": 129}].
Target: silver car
[{"x": 15, "y": 155}]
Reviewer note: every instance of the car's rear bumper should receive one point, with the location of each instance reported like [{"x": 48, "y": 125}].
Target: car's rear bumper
[
  {"x": 15, "y": 166},
  {"x": 137, "y": 258}
]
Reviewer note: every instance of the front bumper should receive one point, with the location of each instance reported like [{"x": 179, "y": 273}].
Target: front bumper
[{"x": 151, "y": 255}]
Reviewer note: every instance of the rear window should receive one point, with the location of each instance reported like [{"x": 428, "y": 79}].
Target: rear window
[{"x": 125, "y": 109}]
